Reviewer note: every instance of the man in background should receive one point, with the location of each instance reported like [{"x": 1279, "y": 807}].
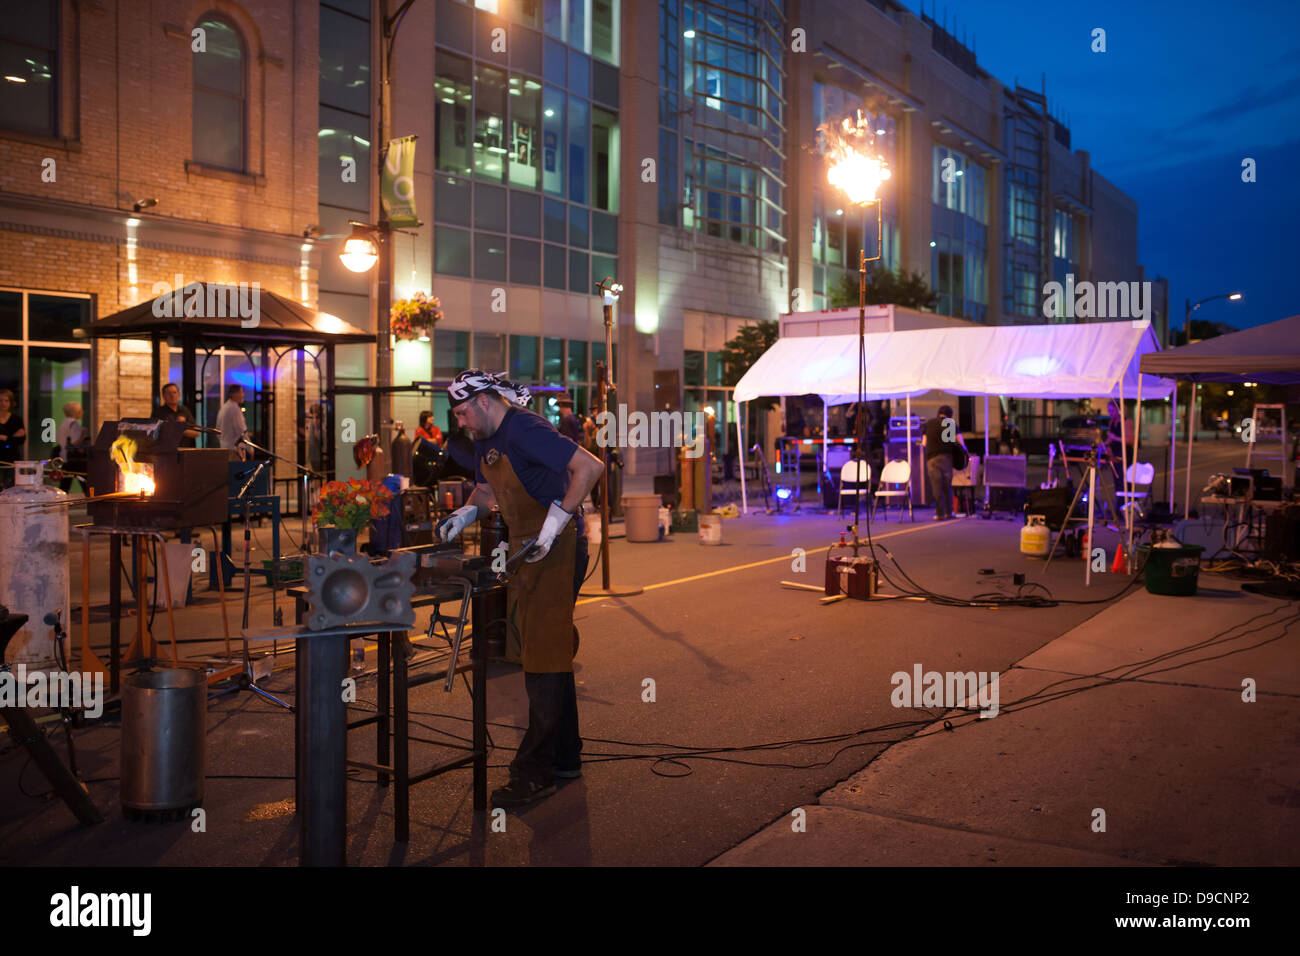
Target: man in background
[
  {"x": 938, "y": 448},
  {"x": 171, "y": 410},
  {"x": 230, "y": 422},
  {"x": 570, "y": 427},
  {"x": 72, "y": 437}
]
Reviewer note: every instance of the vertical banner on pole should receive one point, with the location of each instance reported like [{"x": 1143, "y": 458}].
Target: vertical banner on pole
[{"x": 397, "y": 187}]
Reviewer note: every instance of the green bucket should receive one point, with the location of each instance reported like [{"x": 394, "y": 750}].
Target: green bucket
[{"x": 1171, "y": 571}]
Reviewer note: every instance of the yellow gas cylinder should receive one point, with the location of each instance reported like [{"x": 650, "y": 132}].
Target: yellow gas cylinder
[{"x": 1035, "y": 538}]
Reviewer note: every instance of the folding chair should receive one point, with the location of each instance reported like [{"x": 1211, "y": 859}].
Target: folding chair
[
  {"x": 861, "y": 485},
  {"x": 1140, "y": 475},
  {"x": 895, "y": 473}
]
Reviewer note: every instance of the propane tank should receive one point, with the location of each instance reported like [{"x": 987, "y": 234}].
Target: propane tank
[
  {"x": 1034, "y": 537},
  {"x": 33, "y": 561}
]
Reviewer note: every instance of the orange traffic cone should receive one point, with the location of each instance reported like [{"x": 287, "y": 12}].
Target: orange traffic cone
[{"x": 1117, "y": 566}]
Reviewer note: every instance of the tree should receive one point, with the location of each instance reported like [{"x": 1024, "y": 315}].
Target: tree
[
  {"x": 743, "y": 351},
  {"x": 885, "y": 287}
]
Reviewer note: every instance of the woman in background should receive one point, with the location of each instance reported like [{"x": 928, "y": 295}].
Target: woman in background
[{"x": 12, "y": 433}]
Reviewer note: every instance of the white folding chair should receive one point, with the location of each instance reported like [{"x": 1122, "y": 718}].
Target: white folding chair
[
  {"x": 895, "y": 473},
  {"x": 861, "y": 485},
  {"x": 1140, "y": 474}
]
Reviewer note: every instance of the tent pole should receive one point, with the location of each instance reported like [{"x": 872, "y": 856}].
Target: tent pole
[
  {"x": 826, "y": 432},
  {"x": 909, "y": 449},
  {"x": 1123, "y": 462},
  {"x": 1173, "y": 445},
  {"x": 1191, "y": 440},
  {"x": 985, "y": 462},
  {"x": 1137, "y": 436},
  {"x": 740, "y": 445}
]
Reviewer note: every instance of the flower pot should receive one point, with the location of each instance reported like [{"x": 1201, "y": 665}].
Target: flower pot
[{"x": 336, "y": 540}]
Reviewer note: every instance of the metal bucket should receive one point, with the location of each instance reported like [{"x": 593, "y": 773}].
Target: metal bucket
[{"x": 164, "y": 739}]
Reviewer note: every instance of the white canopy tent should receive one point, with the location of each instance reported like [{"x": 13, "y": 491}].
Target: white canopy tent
[
  {"x": 1028, "y": 361},
  {"x": 1059, "y": 361},
  {"x": 1268, "y": 353}
]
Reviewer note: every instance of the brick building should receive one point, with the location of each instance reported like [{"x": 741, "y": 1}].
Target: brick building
[{"x": 134, "y": 150}]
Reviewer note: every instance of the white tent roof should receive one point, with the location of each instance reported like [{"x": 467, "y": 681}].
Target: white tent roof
[{"x": 1027, "y": 361}]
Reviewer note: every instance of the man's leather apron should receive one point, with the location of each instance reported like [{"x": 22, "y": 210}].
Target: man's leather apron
[{"x": 540, "y": 594}]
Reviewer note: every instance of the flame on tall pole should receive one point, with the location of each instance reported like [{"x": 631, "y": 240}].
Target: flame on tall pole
[{"x": 854, "y": 165}]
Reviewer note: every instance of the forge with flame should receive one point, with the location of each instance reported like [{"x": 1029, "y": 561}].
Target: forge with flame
[
  {"x": 136, "y": 477},
  {"x": 854, "y": 164}
]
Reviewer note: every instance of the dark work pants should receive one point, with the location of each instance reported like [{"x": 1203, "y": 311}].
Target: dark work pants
[{"x": 552, "y": 741}]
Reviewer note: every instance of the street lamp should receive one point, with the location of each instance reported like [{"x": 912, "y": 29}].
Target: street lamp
[
  {"x": 609, "y": 291},
  {"x": 859, "y": 175},
  {"x": 1189, "y": 308},
  {"x": 360, "y": 251}
]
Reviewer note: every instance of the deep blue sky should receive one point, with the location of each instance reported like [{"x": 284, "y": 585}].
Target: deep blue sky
[{"x": 1182, "y": 94}]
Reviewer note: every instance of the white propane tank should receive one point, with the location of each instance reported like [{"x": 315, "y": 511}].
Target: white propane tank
[
  {"x": 1035, "y": 538},
  {"x": 33, "y": 562}
]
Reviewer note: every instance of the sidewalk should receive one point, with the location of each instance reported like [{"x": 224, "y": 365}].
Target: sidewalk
[{"x": 1184, "y": 770}]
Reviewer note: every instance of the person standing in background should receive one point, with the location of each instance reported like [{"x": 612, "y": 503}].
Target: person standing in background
[
  {"x": 315, "y": 437},
  {"x": 12, "y": 433},
  {"x": 938, "y": 458},
  {"x": 230, "y": 422},
  {"x": 73, "y": 438},
  {"x": 171, "y": 410},
  {"x": 570, "y": 427}
]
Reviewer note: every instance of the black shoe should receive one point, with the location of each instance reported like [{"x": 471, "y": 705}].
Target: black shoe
[
  {"x": 518, "y": 793},
  {"x": 572, "y": 773}
]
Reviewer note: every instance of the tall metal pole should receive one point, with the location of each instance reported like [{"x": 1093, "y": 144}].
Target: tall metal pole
[
  {"x": 609, "y": 290},
  {"x": 605, "y": 459}
]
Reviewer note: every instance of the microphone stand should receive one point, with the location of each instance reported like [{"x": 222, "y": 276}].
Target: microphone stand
[
  {"x": 248, "y": 681},
  {"x": 307, "y": 474}
]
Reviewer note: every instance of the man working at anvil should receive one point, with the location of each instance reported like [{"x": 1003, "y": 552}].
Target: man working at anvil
[{"x": 539, "y": 479}]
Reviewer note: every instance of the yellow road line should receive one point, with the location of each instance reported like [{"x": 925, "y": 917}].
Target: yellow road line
[{"x": 757, "y": 564}]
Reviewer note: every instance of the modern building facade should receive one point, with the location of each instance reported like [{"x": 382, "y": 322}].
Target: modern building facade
[{"x": 671, "y": 145}]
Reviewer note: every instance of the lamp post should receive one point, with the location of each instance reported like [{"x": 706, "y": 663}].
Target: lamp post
[
  {"x": 859, "y": 176},
  {"x": 609, "y": 291},
  {"x": 367, "y": 245},
  {"x": 355, "y": 256},
  {"x": 1188, "y": 309}
]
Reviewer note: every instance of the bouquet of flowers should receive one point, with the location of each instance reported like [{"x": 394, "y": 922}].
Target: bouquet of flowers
[
  {"x": 351, "y": 504},
  {"x": 414, "y": 318}
]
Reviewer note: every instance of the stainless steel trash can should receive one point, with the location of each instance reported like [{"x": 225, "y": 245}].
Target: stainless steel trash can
[{"x": 164, "y": 741}]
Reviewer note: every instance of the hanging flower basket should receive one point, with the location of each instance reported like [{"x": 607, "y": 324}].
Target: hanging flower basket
[{"x": 414, "y": 318}]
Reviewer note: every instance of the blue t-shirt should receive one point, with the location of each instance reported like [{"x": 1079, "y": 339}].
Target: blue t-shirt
[{"x": 538, "y": 453}]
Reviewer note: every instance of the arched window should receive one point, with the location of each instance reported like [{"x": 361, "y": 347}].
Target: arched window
[{"x": 220, "y": 95}]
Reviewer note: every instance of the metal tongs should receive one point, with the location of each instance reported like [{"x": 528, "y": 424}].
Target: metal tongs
[
  {"x": 467, "y": 588},
  {"x": 512, "y": 563}
]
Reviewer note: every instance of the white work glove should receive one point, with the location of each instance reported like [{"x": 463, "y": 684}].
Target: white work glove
[
  {"x": 456, "y": 522},
  {"x": 556, "y": 519}
]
